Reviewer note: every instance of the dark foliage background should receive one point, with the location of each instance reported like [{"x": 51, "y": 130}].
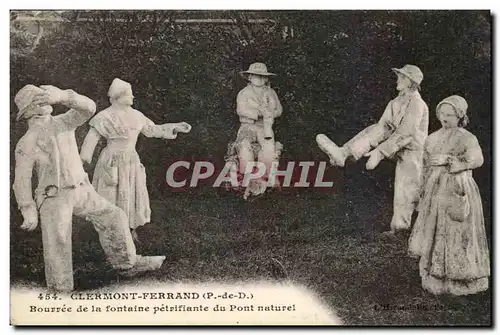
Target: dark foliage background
[{"x": 333, "y": 71}]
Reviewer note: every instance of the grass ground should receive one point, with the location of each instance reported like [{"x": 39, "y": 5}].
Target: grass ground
[{"x": 326, "y": 241}]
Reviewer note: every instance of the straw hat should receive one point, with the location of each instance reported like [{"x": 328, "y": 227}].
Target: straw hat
[{"x": 258, "y": 69}]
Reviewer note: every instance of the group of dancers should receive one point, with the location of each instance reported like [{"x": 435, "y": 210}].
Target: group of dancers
[{"x": 433, "y": 174}]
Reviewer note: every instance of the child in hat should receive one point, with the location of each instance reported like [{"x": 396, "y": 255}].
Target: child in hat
[{"x": 257, "y": 106}]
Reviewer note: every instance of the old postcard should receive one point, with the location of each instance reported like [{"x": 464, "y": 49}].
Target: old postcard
[{"x": 226, "y": 167}]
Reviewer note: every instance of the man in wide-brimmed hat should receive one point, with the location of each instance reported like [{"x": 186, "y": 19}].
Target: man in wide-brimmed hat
[
  {"x": 257, "y": 105},
  {"x": 63, "y": 187},
  {"x": 399, "y": 135}
]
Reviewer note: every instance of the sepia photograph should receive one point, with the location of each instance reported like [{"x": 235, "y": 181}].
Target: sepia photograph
[{"x": 251, "y": 167}]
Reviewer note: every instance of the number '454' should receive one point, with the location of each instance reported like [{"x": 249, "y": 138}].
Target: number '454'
[{"x": 47, "y": 296}]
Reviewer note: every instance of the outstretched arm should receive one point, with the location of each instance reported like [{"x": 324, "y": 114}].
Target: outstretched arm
[
  {"x": 167, "y": 130},
  {"x": 89, "y": 145}
]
